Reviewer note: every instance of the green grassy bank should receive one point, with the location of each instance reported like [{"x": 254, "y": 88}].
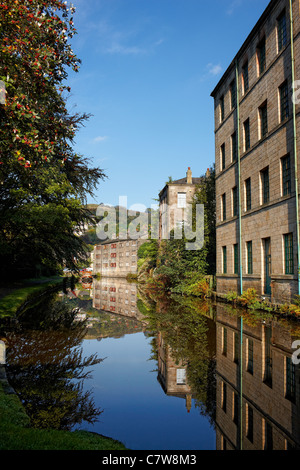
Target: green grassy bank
[
  {"x": 16, "y": 433},
  {"x": 15, "y": 430},
  {"x": 18, "y": 294}
]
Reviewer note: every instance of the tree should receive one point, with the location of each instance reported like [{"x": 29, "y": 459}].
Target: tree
[
  {"x": 43, "y": 182},
  {"x": 181, "y": 270},
  {"x": 206, "y": 194}
]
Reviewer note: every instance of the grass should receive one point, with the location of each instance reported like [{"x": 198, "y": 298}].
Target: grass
[
  {"x": 16, "y": 433},
  {"x": 13, "y": 301}
]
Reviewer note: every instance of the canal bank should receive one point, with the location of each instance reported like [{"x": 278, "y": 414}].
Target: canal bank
[
  {"x": 13, "y": 297},
  {"x": 15, "y": 427}
]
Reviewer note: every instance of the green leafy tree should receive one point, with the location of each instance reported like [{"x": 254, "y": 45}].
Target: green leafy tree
[
  {"x": 181, "y": 270},
  {"x": 206, "y": 194},
  {"x": 43, "y": 182}
]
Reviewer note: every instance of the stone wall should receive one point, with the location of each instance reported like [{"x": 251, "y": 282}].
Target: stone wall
[{"x": 277, "y": 217}]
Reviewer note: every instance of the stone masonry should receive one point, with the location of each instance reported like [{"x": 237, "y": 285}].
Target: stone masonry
[{"x": 266, "y": 142}]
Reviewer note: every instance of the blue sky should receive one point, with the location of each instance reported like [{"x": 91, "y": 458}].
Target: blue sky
[{"x": 148, "y": 69}]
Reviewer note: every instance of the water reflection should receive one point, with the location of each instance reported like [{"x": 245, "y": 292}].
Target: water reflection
[
  {"x": 46, "y": 367},
  {"x": 258, "y": 403},
  {"x": 118, "y": 296},
  {"x": 185, "y": 340},
  {"x": 230, "y": 371}
]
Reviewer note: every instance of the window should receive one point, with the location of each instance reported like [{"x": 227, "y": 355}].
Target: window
[
  {"x": 233, "y": 94},
  {"x": 288, "y": 252},
  {"x": 222, "y": 108},
  {"x": 250, "y": 356},
  {"x": 249, "y": 423},
  {"x": 284, "y": 101},
  {"x": 286, "y": 175},
  {"x": 234, "y": 202},
  {"x": 181, "y": 200},
  {"x": 224, "y": 396},
  {"x": 224, "y": 341},
  {"x": 263, "y": 119},
  {"x": 236, "y": 258},
  {"x": 246, "y": 135},
  {"x": 223, "y": 199},
  {"x": 233, "y": 147},
  {"x": 224, "y": 251},
  {"x": 249, "y": 258},
  {"x": 261, "y": 56},
  {"x": 235, "y": 408},
  {"x": 245, "y": 75},
  {"x": 281, "y": 31},
  {"x": 268, "y": 357},
  {"x": 236, "y": 348},
  {"x": 223, "y": 161},
  {"x": 248, "y": 194},
  {"x": 181, "y": 376},
  {"x": 268, "y": 436},
  {"x": 290, "y": 379},
  {"x": 265, "y": 186}
]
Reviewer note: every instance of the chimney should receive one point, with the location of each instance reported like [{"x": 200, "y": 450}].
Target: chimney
[
  {"x": 207, "y": 174},
  {"x": 189, "y": 179}
]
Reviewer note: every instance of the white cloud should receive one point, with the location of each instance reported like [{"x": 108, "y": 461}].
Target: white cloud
[
  {"x": 100, "y": 138},
  {"x": 118, "y": 48},
  {"x": 214, "y": 69},
  {"x": 233, "y": 5}
]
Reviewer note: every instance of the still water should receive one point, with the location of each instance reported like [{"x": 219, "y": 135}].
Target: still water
[{"x": 155, "y": 372}]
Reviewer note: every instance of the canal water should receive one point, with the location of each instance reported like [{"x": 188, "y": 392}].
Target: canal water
[{"x": 156, "y": 372}]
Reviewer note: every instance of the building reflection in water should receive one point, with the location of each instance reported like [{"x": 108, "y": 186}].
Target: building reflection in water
[
  {"x": 117, "y": 296},
  {"x": 172, "y": 374},
  {"x": 258, "y": 403}
]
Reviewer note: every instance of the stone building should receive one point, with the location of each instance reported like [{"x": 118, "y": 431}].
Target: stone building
[
  {"x": 173, "y": 202},
  {"x": 116, "y": 258},
  {"x": 257, "y": 398},
  {"x": 256, "y": 141}
]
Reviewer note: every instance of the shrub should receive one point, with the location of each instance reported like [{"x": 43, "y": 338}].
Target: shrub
[
  {"x": 248, "y": 298},
  {"x": 231, "y": 296}
]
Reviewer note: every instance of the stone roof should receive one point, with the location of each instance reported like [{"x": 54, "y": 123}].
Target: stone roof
[{"x": 184, "y": 181}]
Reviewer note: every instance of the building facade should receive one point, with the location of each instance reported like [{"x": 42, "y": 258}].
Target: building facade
[
  {"x": 116, "y": 258},
  {"x": 256, "y": 142},
  {"x": 174, "y": 199}
]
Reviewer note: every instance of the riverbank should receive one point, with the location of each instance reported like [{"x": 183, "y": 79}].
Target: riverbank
[
  {"x": 12, "y": 297},
  {"x": 16, "y": 433},
  {"x": 15, "y": 430}
]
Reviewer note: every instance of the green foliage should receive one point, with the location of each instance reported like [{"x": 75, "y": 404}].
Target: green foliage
[
  {"x": 231, "y": 296},
  {"x": 290, "y": 309},
  {"x": 206, "y": 194},
  {"x": 43, "y": 182},
  {"x": 183, "y": 325},
  {"x": 248, "y": 298},
  {"x": 181, "y": 270}
]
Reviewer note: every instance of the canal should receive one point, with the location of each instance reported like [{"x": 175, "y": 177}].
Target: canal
[{"x": 156, "y": 372}]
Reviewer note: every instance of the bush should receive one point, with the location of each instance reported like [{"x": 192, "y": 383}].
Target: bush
[
  {"x": 231, "y": 296},
  {"x": 248, "y": 298}
]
